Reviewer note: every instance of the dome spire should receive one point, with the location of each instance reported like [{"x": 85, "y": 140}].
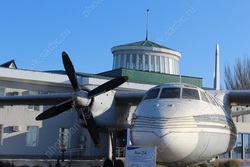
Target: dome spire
[{"x": 147, "y": 25}]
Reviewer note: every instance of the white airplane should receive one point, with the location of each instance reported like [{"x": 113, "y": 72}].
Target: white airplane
[{"x": 186, "y": 123}]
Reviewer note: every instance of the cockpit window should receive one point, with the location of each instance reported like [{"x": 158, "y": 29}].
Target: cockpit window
[
  {"x": 170, "y": 93},
  {"x": 152, "y": 94},
  {"x": 203, "y": 96},
  {"x": 190, "y": 94},
  {"x": 211, "y": 99}
]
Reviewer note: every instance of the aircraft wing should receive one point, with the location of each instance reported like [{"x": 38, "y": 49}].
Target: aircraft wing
[
  {"x": 123, "y": 97},
  {"x": 129, "y": 97},
  {"x": 239, "y": 97},
  {"x": 43, "y": 99},
  {"x": 239, "y": 113}
]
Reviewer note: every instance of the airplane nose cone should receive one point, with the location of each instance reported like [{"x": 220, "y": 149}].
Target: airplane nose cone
[
  {"x": 171, "y": 146},
  {"x": 174, "y": 138}
]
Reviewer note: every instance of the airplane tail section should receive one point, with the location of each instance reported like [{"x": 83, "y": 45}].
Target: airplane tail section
[{"x": 217, "y": 69}]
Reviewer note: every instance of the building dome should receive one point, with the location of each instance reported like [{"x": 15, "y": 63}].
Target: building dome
[{"x": 146, "y": 56}]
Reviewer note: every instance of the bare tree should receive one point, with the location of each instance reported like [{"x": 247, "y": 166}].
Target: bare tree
[{"x": 239, "y": 78}]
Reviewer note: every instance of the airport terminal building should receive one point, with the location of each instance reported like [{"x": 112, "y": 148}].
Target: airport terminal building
[{"x": 146, "y": 64}]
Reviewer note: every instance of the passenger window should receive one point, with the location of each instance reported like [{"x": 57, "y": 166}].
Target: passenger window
[
  {"x": 170, "y": 93},
  {"x": 204, "y": 97},
  {"x": 153, "y": 93},
  {"x": 190, "y": 94}
]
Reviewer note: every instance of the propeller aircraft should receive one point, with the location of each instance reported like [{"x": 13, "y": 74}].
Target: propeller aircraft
[{"x": 186, "y": 123}]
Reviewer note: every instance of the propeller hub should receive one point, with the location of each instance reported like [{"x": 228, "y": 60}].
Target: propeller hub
[{"x": 82, "y": 99}]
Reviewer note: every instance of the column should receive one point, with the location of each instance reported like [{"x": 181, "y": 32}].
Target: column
[
  {"x": 149, "y": 63},
  {"x": 137, "y": 67},
  {"x": 143, "y": 62},
  {"x": 163, "y": 65},
  {"x": 167, "y": 65},
  {"x": 243, "y": 148},
  {"x": 124, "y": 61},
  {"x": 170, "y": 66},
  {"x": 131, "y": 63},
  {"x": 155, "y": 63},
  {"x": 114, "y": 61},
  {"x": 118, "y": 65}
]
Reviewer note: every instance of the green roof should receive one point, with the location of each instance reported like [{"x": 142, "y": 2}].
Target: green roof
[
  {"x": 155, "y": 78},
  {"x": 146, "y": 43},
  {"x": 138, "y": 76}
]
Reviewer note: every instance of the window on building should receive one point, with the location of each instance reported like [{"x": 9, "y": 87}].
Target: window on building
[
  {"x": 190, "y": 94},
  {"x": 140, "y": 62},
  {"x": 123, "y": 60},
  {"x": 32, "y": 136},
  {"x": 241, "y": 149},
  {"x": 157, "y": 64},
  {"x": 127, "y": 60},
  {"x": 225, "y": 155},
  {"x": 34, "y": 107},
  {"x": 64, "y": 137},
  {"x": 167, "y": 66},
  {"x": 120, "y": 61},
  {"x": 247, "y": 145},
  {"x": 162, "y": 62},
  {"x": 171, "y": 66},
  {"x": 134, "y": 64},
  {"x": 175, "y": 67},
  {"x": 170, "y": 93},
  {"x": 114, "y": 62},
  {"x": 152, "y": 63},
  {"x": 2, "y": 93},
  {"x": 146, "y": 62},
  {"x": 1, "y": 134},
  {"x": 237, "y": 151}
]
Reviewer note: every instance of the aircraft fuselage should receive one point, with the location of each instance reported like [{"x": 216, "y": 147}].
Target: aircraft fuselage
[{"x": 186, "y": 123}]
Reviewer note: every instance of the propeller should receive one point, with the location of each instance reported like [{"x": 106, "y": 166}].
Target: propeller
[
  {"x": 55, "y": 110},
  {"x": 68, "y": 66},
  {"x": 107, "y": 86},
  {"x": 81, "y": 99}
]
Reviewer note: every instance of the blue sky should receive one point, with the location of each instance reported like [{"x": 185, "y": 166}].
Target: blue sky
[{"x": 34, "y": 33}]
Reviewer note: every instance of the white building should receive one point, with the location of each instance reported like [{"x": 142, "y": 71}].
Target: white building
[
  {"x": 145, "y": 63},
  {"x": 146, "y": 56}
]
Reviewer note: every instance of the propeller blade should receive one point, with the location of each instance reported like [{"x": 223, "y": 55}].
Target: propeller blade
[
  {"x": 108, "y": 86},
  {"x": 55, "y": 110},
  {"x": 69, "y": 68},
  {"x": 91, "y": 126}
]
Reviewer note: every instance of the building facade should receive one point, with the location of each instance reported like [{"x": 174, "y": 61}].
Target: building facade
[
  {"x": 146, "y": 63},
  {"x": 22, "y": 136},
  {"x": 242, "y": 147},
  {"x": 146, "y": 56}
]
